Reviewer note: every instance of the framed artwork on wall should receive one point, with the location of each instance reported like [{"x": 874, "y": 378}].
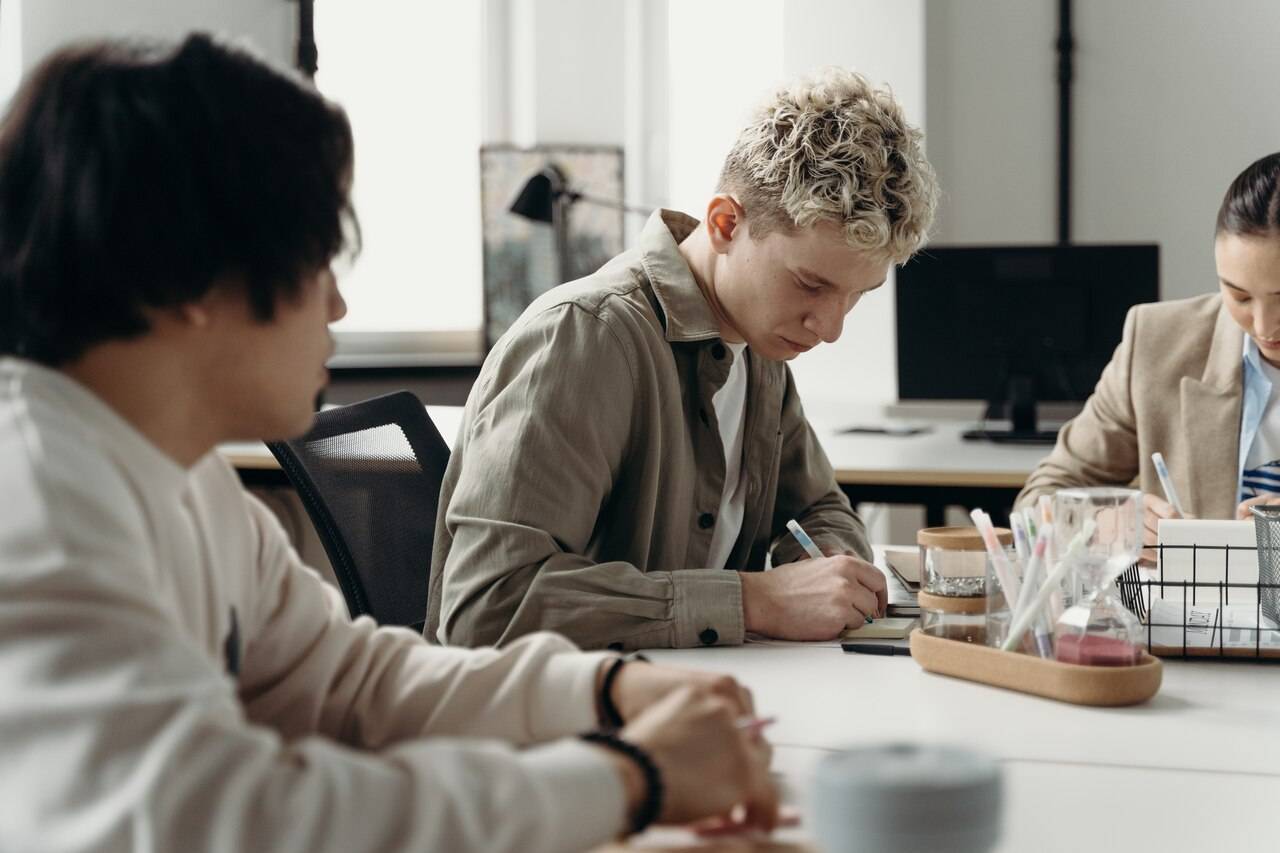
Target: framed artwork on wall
[{"x": 567, "y": 222}]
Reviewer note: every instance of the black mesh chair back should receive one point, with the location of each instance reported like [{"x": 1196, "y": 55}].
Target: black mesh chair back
[{"x": 369, "y": 475}]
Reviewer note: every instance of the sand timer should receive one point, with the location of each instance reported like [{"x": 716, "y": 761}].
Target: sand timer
[{"x": 1100, "y": 532}]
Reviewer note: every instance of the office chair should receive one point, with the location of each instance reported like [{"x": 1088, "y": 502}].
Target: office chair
[{"x": 369, "y": 475}]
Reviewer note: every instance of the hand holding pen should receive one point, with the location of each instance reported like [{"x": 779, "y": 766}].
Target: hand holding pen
[
  {"x": 812, "y": 599},
  {"x": 1156, "y": 508}
]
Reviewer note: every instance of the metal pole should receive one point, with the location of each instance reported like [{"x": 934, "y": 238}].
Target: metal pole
[
  {"x": 308, "y": 56},
  {"x": 1066, "y": 46}
]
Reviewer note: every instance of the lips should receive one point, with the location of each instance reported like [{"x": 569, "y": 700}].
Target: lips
[
  {"x": 797, "y": 347},
  {"x": 1269, "y": 343}
]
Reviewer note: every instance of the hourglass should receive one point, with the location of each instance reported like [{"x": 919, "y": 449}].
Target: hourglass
[{"x": 1100, "y": 532}]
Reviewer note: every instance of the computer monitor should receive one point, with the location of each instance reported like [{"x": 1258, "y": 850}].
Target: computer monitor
[{"x": 1016, "y": 325}]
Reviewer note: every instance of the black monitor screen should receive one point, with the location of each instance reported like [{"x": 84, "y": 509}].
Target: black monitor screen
[{"x": 972, "y": 319}]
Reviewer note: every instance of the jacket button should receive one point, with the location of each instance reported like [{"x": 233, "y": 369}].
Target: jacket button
[
  {"x": 717, "y": 352},
  {"x": 706, "y": 520},
  {"x": 614, "y": 647},
  {"x": 708, "y": 636}
]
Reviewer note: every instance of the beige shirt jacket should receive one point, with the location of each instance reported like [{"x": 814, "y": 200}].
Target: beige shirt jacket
[
  {"x": 583, "y": 486},
  {"x": 173, "y": 679},
  {"x": 1174, "y": 385}
]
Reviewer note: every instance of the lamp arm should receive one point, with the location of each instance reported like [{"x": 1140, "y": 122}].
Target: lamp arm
[{"x": 574, "y": 195}]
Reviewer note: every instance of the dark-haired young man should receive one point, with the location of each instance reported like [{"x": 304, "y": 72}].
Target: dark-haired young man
[{"x": 171, "y": 677}]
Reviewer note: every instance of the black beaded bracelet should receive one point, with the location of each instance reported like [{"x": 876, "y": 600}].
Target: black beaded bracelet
[
  {"x": 654, "y": 789},
  {"x": 610, "y": 716}
]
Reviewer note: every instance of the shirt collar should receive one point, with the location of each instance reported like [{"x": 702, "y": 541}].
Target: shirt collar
[
  {"x": 1253, "y": 360},
  {"x": 688, "y": 315}
]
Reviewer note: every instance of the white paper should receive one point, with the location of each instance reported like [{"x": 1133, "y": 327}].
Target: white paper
[
  {"x": 1234, "y": 625},
  {"x": 1212, "y": 564}
]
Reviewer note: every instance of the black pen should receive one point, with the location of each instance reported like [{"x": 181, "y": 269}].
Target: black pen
[{"x": 875, "y": 649}]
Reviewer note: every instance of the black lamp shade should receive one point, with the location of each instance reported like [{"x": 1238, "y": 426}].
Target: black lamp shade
[{"x": 536, "y": 199}]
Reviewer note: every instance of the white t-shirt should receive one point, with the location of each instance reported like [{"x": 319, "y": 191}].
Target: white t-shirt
[
  {"x": 1261, "y": 473},
  {"x": 730, "y": 403}
]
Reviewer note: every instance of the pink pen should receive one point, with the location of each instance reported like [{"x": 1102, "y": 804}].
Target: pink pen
[
  {"x": 1008, "y": 580},
  {"x": 754, "y": 725}
]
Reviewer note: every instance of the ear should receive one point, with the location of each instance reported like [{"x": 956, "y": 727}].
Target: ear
[
  {"x": 197, "y": 315},
  {"x": 725, "y": 220}
]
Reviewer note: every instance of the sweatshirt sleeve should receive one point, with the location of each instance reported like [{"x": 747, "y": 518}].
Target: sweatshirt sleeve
[{"x": 120, "y": 731}]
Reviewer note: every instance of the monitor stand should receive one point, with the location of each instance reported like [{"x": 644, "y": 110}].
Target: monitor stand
[{"x": 1022, "y": 412}]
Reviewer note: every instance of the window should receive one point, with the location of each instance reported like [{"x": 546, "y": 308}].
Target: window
[
  {"x": 409, "y": 76},
  {"x": 10, "y": 50}
]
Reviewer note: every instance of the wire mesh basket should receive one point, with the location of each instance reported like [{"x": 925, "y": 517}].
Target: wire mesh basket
[
  {"x": 1211, "y": 601},
  {"x": 1266, "y": 524}
]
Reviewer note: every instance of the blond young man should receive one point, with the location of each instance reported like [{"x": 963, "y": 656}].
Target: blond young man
[
  {"x": 171, "y": 676},
  {"x": 635, "y": 445}
]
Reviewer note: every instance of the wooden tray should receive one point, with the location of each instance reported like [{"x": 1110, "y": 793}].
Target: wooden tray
[{"x": 1066, "y": 682}]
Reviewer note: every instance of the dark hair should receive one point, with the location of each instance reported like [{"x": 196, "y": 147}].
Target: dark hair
[
  {"x": 137, "y": 175},
  {"x": 1252, "y": 204}
]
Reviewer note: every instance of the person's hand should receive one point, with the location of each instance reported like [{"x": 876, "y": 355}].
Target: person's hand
[
  {"x": 1154, "y": 509},
  {"x": 1242, "y": 511},
  {"x": 711, "y": 767},
  {"x": 639, "y": 685},
  {"x": 813, "y": 599}
]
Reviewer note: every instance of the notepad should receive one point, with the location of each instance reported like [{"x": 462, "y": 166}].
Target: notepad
[
  {"x": 885, "y": 628},
  {"x": 1209, "y": 563},
  {"x": 905, "y": 565}
]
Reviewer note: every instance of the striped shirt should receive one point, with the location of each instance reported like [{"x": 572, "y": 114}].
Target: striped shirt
[{"x": 1260, "y": 426}]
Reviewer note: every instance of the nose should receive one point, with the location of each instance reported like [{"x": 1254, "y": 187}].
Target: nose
[
  {"x": 827, "y": 320},
  {"x": 827, "y": 325},
  {"x": 337, "y": 305}
]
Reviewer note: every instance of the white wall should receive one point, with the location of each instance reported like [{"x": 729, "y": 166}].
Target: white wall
[
  {"x": 1171, "y": 100},
  {"x": 269, "y": 25},
  {"x": 1176, "y": 97},
  {"x": 990, "y": 97},
  {"x": 565, "y": 72}
]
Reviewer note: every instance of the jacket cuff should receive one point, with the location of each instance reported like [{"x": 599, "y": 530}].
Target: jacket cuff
[
  {"x": 586, "y": 803},
  {"x": 708, "y": 608}
]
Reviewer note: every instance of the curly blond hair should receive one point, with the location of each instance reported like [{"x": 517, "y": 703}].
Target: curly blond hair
[{"x": 833, "y": 147}]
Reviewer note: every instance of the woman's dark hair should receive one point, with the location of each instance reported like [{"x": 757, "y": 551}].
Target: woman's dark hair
[
  {"x": 137, "y": 175},
  {"x": 1251, "y": 207}
]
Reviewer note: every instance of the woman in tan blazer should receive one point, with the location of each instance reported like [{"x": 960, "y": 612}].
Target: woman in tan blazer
[{"x": 1191, "y": 379}]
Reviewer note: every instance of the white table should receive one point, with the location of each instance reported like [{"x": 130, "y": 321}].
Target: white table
[{"x": 1197, "y": 767}]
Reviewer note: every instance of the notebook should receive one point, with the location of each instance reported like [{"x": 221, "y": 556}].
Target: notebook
[
  {"x": 905, "y": 565},
  {"x": 884, "y": 628},
  {"x": 1211, "y": 563}
]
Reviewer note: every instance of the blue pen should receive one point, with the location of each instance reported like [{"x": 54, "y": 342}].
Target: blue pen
[
  {"x": 810, "y": 547},
  {"x": 803, "y": 538},
  {"x": 1166, "y": 483}
]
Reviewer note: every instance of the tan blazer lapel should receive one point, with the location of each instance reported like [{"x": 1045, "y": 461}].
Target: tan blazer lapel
[{"x": 1210, "y": 409}]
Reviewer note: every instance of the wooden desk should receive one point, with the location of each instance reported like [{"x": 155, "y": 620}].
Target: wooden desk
[{"x": 936, "y": 468}]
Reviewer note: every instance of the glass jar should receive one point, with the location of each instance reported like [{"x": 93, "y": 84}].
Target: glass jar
[
  {"x": 953, "y": 582},
  {"x": 954, "y": 560},
  {"x": 954, "y": 617}
]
